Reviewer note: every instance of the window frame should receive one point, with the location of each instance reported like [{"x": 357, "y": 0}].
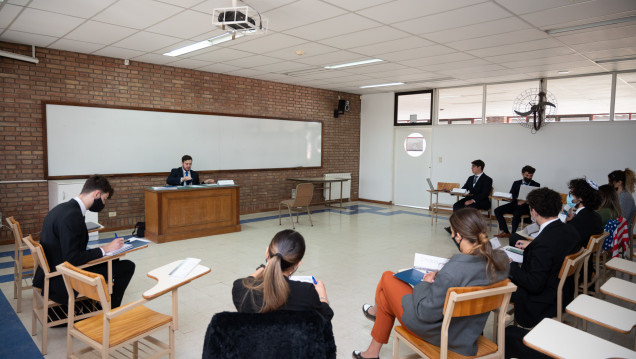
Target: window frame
[{"x": 395, "y": 108}]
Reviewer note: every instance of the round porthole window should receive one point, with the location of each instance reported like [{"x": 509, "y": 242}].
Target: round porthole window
[{"x": 415, "y": 144}]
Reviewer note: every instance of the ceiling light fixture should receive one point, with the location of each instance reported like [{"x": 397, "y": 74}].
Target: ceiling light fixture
[
  {"x": 590, "y": 25},
  {"x": 363, "y": 62},
  {"x": 382, "y": 85},
  {"x": 205, "y": 43},
  {"x": 615, "y": 60},
  {"x": 563, "y": 72}
]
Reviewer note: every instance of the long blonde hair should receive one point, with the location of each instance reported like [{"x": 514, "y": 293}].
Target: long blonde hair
[
  {"x": 470, "y": 224},
  {"x": 285, "y": 251}
]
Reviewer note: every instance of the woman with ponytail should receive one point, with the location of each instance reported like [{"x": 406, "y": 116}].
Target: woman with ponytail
[
  {"x": 624, "y": 182},
  {"x": 419, "y": 309},
  {"x": 269, "y": 288}
]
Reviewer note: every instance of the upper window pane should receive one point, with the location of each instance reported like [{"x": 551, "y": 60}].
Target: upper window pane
[
  {"x": 582, "y": 98},
  {"x": 413, "y": 108},
  {"x": 625, "y": 108},
  {"x": 461, "y": 105},
  {"x": 501, "y": 98}
]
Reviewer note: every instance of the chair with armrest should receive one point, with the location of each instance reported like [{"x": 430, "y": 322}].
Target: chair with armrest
[
  {"x": 444, "y": 187},
  {"x": 46, "y": 311},
  {"x": 22, "y": 263},
  {"x": 571, "y": 268},
  {"x": 273, "y": 335},
  {"x": 595, "y": 247},
  {"x": 114, "y": 328},
  {"x": 461, "y": 302},
  {"x": 304, "y": 194}
]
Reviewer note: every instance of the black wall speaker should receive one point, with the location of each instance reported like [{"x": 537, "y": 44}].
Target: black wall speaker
[{"x": 342, "y": 104}]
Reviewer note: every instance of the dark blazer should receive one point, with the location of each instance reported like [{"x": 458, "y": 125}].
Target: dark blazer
[
  {"x": 587, "y": 223},
  {"x": 537, "y": 278},
  {"x": 516, "y": 186},
  {"x": 481, "y": 191},
  {"x": 64, "y": 238},
  {"x": 302, "y": 296},
  {"x": 174, "y": 178}
]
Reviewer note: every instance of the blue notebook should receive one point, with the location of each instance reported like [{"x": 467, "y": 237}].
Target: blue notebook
[{"x": 411, "y": 276}]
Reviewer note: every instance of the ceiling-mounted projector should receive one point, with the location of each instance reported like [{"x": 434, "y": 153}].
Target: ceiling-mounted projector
[
  {"x": 242, "y": 19},
  {"x": 236, "y": 20}
]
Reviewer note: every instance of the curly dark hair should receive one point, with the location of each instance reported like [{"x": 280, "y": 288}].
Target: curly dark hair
[
  {"x": 588, "y": 195},
  {"x": 528, "y": 168},
  {"x": 546, "y": 202}
]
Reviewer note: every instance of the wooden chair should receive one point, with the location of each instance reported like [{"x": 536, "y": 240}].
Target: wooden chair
[
  {"x": 461, "y": 302},
  {"x": 595, "y": 247},
  {"x": 114, "y": 328},
  {"x": 22, "y": 263},
  {"x": 442, "y": 187},
  {"x": 564, "y": 198},
  {"x": 46, "y": 311},
  {"x": 571, "y": 266},
  {"x": 304, "y": 194}
]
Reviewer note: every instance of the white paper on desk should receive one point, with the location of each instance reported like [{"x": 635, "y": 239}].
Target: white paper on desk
[
  {"x": 513, "y": 254},
  {"x": 459, "y": 190},
  {"x": 302, "y": 278},
  {"x": 123, "y": 248},
  {"x": 429, "y": 263},
  {"x": 502, "y": 195},
  {"x": 494, "y": 242},
  {"x": 163, "y": 188},
  {"x": 132, "y": 239}
]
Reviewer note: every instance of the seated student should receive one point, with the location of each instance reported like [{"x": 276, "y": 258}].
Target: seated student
[
  {"x": 516, "y": 207},
  {"x": 623, "y": 182},
  {"x": 584, "y": 200},
  {"x": 269, "y": 288},
  {"x": 185, "y": 175},
  {"x": 420, "y": 309},
  {"x": 610, "y": 207},
  {"x": 478, "y": 185}
]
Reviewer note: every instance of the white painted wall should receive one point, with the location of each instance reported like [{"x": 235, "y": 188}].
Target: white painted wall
[{"x": 376, "y": 147}]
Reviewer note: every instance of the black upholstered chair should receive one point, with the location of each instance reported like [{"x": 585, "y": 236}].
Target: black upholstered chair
[{"x": 279, "y": 335}]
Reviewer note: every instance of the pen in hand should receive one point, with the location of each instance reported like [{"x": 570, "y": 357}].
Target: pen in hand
[{"x": 314, "y": 279}]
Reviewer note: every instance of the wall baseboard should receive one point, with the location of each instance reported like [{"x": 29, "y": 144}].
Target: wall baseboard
[{"x": 374, "y": 201}]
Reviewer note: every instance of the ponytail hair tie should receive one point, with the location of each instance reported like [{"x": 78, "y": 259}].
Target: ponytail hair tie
[{"x": 279, "y": 256}]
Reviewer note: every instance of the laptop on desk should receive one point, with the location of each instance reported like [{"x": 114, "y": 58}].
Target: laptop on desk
[
  {"x": 524, "y": 190},
  {"x": 430, "y": 184}
]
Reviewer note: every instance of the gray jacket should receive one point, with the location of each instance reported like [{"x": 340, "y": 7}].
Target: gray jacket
[{"x": 423, "y": 310}]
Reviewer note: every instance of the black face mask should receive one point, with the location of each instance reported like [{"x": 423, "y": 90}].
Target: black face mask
[
  {"x": 456, "y": 243},
  {"x": 97, "y": 205},
  {"x": 526, "y": 181}
]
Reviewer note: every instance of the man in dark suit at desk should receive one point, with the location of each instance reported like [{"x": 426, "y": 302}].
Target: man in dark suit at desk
[
  {"x": 185, "y": 175},
  {"x": 516, "y": 207},
  {"x": 64, "y": 239},
  {"x": 478, "y": 186}
]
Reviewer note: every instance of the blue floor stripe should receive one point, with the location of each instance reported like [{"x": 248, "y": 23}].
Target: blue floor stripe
[{"x": 16, "y": 342}]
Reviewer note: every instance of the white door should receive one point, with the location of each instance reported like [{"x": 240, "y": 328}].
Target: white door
[{"x": 412, "y": 167}]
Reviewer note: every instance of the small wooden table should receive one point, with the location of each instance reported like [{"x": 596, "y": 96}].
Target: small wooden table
[
  {"x": 560, "y": 340},
  {"x": 622, "y": 265},
  {"x": 326, "y": 184}
]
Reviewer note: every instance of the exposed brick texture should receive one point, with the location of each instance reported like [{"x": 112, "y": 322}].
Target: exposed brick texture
[{"x": 79, "y": 78}]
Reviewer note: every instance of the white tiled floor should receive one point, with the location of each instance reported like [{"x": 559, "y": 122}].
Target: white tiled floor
[{"x": 348, "y": 252}]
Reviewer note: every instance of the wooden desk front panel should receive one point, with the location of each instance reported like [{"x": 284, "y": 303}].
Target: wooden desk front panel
[{"x": 187, "y": 213}]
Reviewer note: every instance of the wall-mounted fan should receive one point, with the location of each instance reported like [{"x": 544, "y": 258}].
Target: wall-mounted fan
[{"x": 542, "y": 105}]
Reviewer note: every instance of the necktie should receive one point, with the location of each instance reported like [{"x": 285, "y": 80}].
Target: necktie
[
  {"x": 186, "y": 176},
  {"x": 475, "y": 180}
]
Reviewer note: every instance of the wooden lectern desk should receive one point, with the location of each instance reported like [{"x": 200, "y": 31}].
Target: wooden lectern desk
[{"x": 189, "y": 212}]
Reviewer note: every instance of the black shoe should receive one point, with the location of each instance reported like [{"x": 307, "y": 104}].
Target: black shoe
[
  {"x": 358, "y": 355},
  {"x": 447, "y": 229},
  {"x": 365, "y": 311}
]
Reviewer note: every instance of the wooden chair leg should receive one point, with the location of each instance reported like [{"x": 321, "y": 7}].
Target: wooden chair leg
[
  {"x": 18, "y": 286},
  {"x": 309, "y": 214},
  {"x": 291, "y": 217},
  {"x": 279, "y": 221}
]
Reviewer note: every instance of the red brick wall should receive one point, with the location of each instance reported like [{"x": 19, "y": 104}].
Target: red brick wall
[{"x": 73, "y": 77}]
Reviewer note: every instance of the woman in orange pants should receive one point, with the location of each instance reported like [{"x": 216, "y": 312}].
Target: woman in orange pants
[{"x": 419, "y": 309}]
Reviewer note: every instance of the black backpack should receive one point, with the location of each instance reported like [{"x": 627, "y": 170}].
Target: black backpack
[{"x": 140, "y": 230}]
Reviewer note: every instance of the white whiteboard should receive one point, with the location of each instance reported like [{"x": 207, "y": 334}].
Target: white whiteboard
[{"x": 87, "y": 140}]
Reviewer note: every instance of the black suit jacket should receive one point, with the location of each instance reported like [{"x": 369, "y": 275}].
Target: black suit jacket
[
  {"x": 516, "y": 186},
  {"x": 481, "y": 190},
  {"x": 587, "y": 223},
  {"x": 64, "y": 238},
  {"x": 537, "y": 278},
  {"x": 174, "y": 178}
]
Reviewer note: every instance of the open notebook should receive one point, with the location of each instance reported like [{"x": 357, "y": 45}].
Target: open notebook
[{"x": 422, "y": 264}]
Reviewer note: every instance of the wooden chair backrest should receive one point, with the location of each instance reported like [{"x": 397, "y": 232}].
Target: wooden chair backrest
[
  {"x": 484, "y": 299},
  {"x": 571, "y": 262},
  {"x": 38, "y": 254},
  {"x": 446, "y": 186},
  {"x": 16, "y": 229},
  {"x": 88, "y": 284},
  {"x": 564, "y": 198},
  {"x": 304, "y": 194},
  {"x": 596, "y": 241}
]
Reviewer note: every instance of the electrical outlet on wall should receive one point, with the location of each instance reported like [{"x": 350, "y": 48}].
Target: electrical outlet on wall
[{"x": 112, "y": 214}]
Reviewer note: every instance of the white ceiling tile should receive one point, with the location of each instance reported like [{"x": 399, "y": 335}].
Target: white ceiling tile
[
  {"x": 457, "y": 65},
  {"x": 182, "y": 3},
  {"x": 264, "y": 43},
  {"x": 189, "y": 64},
  {"x": 394, "y": 12},
  {"x": 392, "y": 46},
  {"x": 135, "y": 14},
  {"x": 184, "y": 25},
  {"x": 218, "y": 68},
  {"x": 550, "y": 69},
  {"x": 310, "y": 49},
  {"x": 281, "y": 67},
  {"x": 80, "y": 8},
  {"x": 460, "y": 17},
  {"x": 9, "y": 13},
  {"x": 603, "y": 33},
  {"x": 19, "y": 2},
  {"x": 147, "y": 41},
  {"x": 512, "y": 48},
  {"x": 118, "y": 52},
  {"x": 332, "y": 27},
  {"x": 377, "y": 68},
  {"x": 331, "y": 58},
  {"x": 76, "y": 46},
  {"x": 300, "y": 13},
  {"x": 458, "y": 72},
  {"x": 478, "y": 30},
  {"x": 589, "y": 10},
  {"x": 563, "y": 59},
  {"x": 221, "y": 55},
  {"x": 524, "y": 7},
  {"x": 440, "y": 59},
  {"x": 244, "y": 72},
  {"x": 417, "y": 53},
  {"x": 49, "y": 24},
  {"x": 365, "y": 37},
  {"x": 611, "y": 54},
  {"x": 606, "y": 45},
  {"x": 254, "y": 60},
  {"x": 99, "y": 33},
  {"x": 355, "y": 5},
  {"x": 514, "y": 37},
  {"x": 261, "y": 6},
  {"x": 27, "y": 38},
  {"x": 535, "y": 54}
]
